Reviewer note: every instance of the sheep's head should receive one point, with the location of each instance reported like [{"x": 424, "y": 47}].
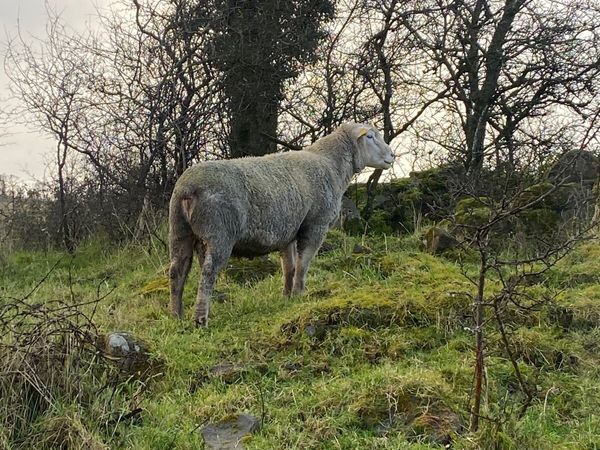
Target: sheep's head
[{"x": 371, "y": 149}]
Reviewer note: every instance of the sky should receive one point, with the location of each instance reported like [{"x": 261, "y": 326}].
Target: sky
[{"x": 24, "y": 152}]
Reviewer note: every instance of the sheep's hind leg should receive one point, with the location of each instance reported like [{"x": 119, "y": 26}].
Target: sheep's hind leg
[
  {"x": 215, "y": 259},
  {"x": 181, "y": 260},
  {"x": 307, "y": 247},
  {"x": 288, "y": 266}
]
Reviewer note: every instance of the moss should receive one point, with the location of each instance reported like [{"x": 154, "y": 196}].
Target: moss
[
  {"x": 247, "y": 271},
  {"x": 363, "y": 309},
  {"x": 393, "y": 367},
  {"x": 533, "y": 193},
  {"x": 545, "y": 349},
  {"x": 397, "y": 401},
  {"x": 380, "y": 222},
  {"x": 354, "y": 227},
  {"x": 402, "y": 203},
  {"x": 473, "y": 212},
  {"x": 157, "y": 285},
  {"x": 538, "y": 222},
  {"x": 578, "y": 310}
]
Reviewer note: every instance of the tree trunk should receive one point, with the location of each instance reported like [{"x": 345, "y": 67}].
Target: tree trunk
[
  {"x": 65, "y": 229},
  {"x": 479, "y": 344},
  {"x": 250, "y": 121}
]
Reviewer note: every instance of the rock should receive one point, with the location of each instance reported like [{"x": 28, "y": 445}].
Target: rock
[
  {"x": 576, "y": 166},
  {"x": 437, "y": 428},
  {"x": 383, "y": 201},
  {"x": 361, "y": 249},
  {"x": 437, "y": 240},
  {"x": 326, "y": 247},
  {"x": 317, "y": 329},
  {"x": 130, "y": 353},
  {"x": 226, "y": 372},
  {"x": 230, "y": 433},
  {"x": 220, "y": 297},
  {"x": 348, "y": 211}
]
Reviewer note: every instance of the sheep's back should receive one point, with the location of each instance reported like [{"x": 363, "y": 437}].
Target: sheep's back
[{"x": 259, "y": 202}]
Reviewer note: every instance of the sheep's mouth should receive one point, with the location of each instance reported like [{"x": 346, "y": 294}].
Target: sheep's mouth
[{"x": 388, "y": 162}]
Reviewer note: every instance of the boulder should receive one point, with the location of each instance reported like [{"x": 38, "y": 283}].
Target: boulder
[
  {"x": 230, "y": 433},
  {"x": 128, "y": 352},
  {"x": 349, "y": 214},
  {"x": 576, "y": 166},
  {"x": 437, "y": 240}
]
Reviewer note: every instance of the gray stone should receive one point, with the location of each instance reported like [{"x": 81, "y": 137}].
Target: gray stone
[
  {"x": 437, "y": 240},
  {"x": 576, "y": 166},
  {"x": 122, "y": 344},
  {"x": 128, "y": 352},
  {"x": 348, "y": 213},
  {"x": 317, "y": 329},
  {"x": 361, "y": 249},
  {"x": 229, "y": 433},
  {"x": 228, "y": 372},
  {"x": 383, "y": 201}
]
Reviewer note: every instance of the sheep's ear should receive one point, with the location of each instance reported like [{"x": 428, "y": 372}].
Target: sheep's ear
[{"x": 361, "y": 131}]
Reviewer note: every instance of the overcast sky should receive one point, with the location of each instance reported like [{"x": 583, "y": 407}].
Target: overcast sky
[{"x": 23, "y": 152}]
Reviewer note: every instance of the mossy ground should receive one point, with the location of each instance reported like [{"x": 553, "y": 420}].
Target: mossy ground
[{"x": 378, "y": 354}]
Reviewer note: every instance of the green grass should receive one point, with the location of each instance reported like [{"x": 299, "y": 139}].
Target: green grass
[{"x": 377, "y": 354}]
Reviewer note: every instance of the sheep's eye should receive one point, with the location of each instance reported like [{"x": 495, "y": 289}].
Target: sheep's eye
[{"x": 370, "y": 135}]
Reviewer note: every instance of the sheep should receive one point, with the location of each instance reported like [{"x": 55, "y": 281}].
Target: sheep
[{"x": 253, "y": 206}]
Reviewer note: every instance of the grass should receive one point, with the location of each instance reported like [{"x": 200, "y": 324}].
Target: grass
[{"x": 377, "y": 354}]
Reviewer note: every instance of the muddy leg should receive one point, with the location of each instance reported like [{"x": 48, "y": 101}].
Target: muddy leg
[
  {"x": 214, "y": 260},
  {"x": 288, "y": 266},
  {"x": 307, "y": 246},
  {"x": 181, "y": 261}
]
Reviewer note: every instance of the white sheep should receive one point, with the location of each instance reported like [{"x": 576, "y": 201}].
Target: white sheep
[{"x": 253, "y": 206}]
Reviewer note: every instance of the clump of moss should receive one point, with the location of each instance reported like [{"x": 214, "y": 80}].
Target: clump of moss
[
  {"x": 408, "y": 403},
  {"x": 538, "y": 222},
  {"x": 545, "y": 348},
  {"x": 580, "y": 310},
  {"x": 381, "y": 222},
  {"x": 245, "y": 271},
  {"x": 473, "y": 211},
  {"x": 363, "y": 310}
]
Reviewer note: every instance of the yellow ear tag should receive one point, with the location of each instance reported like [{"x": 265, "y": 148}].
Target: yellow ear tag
[{"x": 362, "y": 132}]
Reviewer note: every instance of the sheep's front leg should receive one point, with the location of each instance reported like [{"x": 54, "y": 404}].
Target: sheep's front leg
[
  {"x": 181, "y": 261},
  {"x": 215, "y": 259},
  {"x": 307, "y": 247},
  {"x": 288, "y": 267}
]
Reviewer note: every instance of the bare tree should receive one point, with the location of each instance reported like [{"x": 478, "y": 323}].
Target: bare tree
[{"x": 504, "y": 65}]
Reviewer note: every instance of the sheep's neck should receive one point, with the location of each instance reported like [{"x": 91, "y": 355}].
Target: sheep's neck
[{"x": 339, "y": 150}]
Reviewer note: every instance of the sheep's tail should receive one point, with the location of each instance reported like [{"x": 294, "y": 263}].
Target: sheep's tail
[
  {"x": 182, "y": 209},
  {"x": 186, "y": 208}
]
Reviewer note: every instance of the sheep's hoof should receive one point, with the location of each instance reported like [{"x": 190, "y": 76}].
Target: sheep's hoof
[{"x": 201, "y": 322}]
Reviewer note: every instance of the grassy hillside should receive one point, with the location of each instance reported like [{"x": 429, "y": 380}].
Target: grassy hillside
[{"x": 377, "y": 355}]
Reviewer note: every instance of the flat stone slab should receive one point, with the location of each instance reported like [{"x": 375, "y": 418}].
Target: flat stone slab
[{"x": 229, "y": 434}]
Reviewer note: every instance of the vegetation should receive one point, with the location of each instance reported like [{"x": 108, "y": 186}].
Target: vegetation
[
  {"x": 491, "y": 342},
  {"x": 379, "y": 354}
]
